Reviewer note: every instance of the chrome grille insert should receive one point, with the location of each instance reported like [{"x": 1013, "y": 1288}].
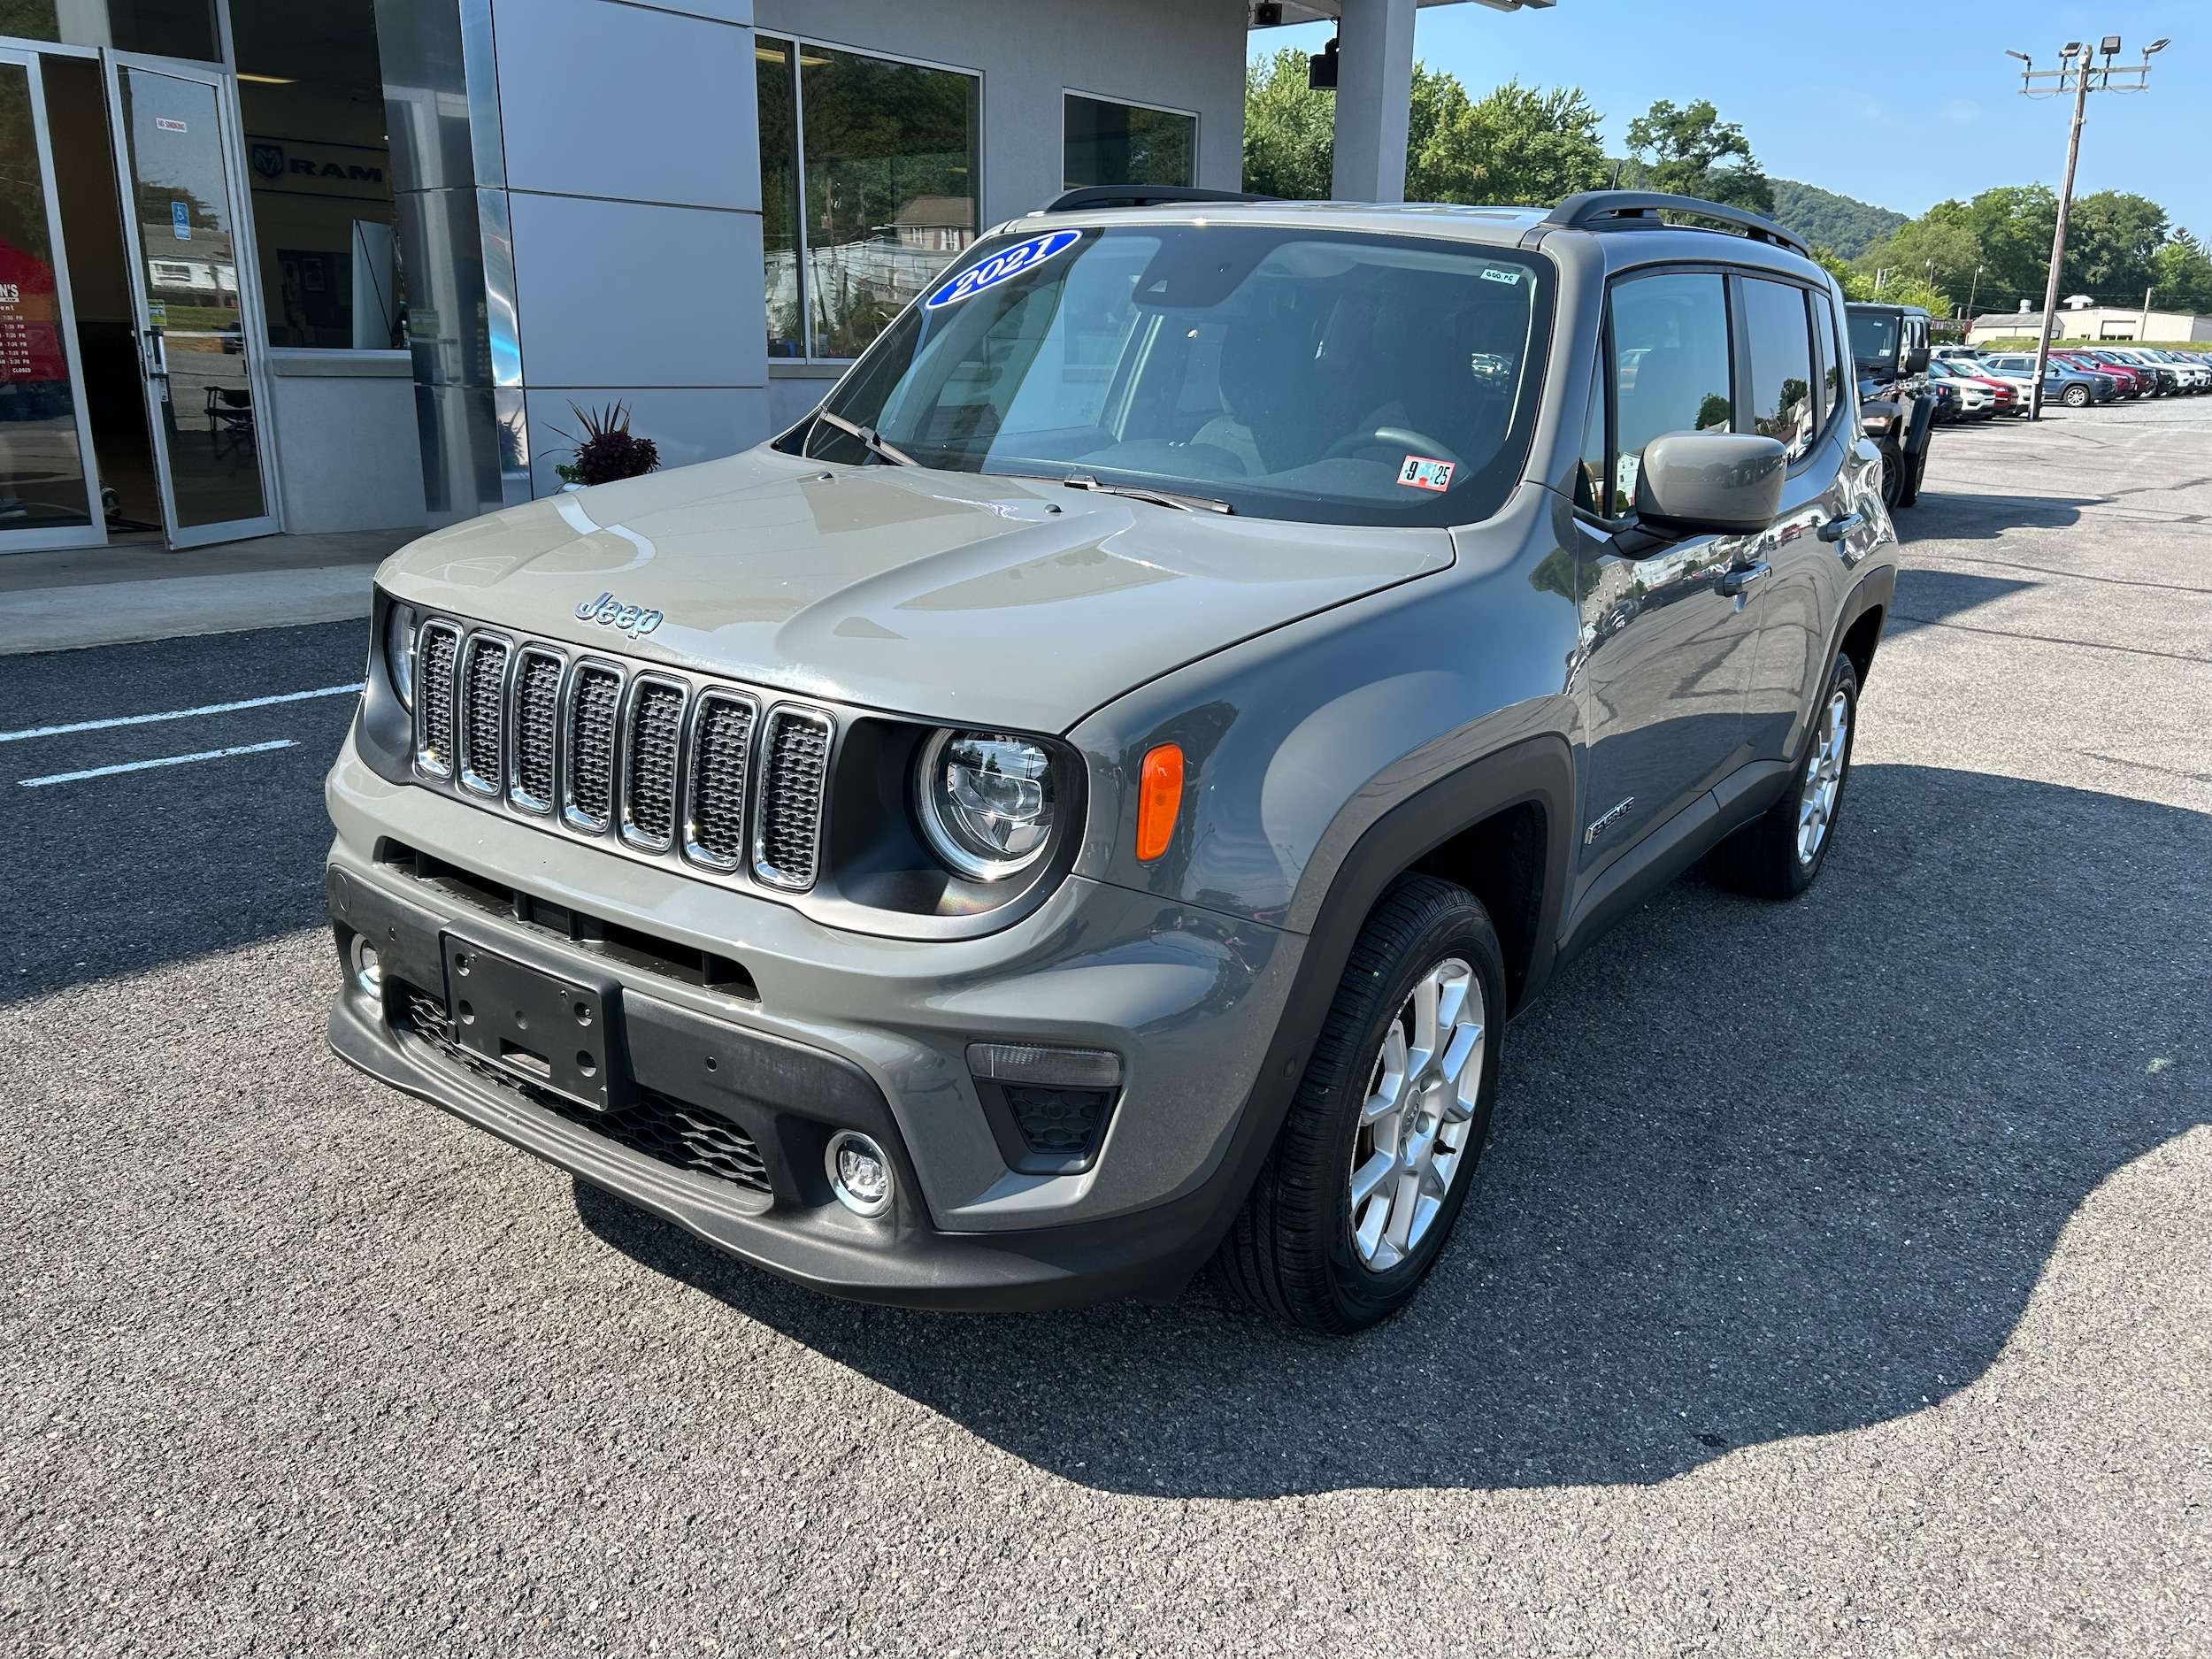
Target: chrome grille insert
[
  {"x": 787, "y": 841},
  {"x": 536, "y": 719},
  {"x": 436, "y": 658},
  {"x": 482, "y": 718},
  {"x": 595, "y": 694},
  {"x": 651, "y": 739},
  {"x": 721, "y": 757}
]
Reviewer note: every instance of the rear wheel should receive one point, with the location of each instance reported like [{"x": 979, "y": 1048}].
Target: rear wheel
[
  {"x": 1373, "y": 1163},
  {"x": 1915, "y": 469},
  {"x": 1892, "y": 475},
  {"x": 1778, "y": 855}
]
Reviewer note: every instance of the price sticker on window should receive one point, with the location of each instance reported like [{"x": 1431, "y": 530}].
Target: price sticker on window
[{"x": 1002, "y": 266}]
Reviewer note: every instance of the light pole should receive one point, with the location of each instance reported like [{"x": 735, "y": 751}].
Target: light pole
[
  {"x": 2077, "y": 72},
  {"x": 1973, "y": 288}
]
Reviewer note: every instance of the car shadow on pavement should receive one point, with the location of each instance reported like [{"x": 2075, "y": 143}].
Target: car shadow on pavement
[
  {"x": 1972, "y": 515},
  {"x": 1758, "y": 1171},
  {"x": 1925, "y": 597}
]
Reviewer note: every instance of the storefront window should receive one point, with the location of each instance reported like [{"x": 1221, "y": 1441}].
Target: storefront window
[
  {"x": 41, "y": 462},
  {"x": 164, "y": 29},
  {"x": 884, "y": 163},
  {"x": 312, "y": 98},
  {"x": 1123, "y": 143}
]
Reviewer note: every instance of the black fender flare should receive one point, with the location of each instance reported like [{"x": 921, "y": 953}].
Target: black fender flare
[{"x": 1538, "y": 770}]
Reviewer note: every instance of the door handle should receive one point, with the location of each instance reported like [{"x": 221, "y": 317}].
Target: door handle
[
  {"x": 1739, "y": 580},
  {"x": 1836, "y": 529}
]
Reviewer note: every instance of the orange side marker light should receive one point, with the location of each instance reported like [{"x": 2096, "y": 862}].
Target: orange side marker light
[{"x": 1159, "y": 798}]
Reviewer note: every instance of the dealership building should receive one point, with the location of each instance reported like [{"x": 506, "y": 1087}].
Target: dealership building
[{"x": 315, "y": 266}]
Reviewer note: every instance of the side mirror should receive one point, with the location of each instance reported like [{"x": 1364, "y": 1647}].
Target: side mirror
[
  {"x": 1711, "y": 483},
  {"x": 1917, "y": 360}
]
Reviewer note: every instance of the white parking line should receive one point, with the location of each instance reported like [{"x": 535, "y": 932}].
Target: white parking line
[
  {"x": 180, "y": 714},
  {"x": 167, "y": 760}
]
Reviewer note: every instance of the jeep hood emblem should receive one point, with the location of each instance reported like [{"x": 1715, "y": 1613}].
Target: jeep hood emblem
[{"x": 610, "y": 612}]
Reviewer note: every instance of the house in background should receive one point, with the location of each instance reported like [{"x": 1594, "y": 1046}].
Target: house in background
[{"x": 377, "y": 248}]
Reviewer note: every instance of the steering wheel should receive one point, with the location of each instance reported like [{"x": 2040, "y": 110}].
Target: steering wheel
[{"x": 1391, "y": 438}]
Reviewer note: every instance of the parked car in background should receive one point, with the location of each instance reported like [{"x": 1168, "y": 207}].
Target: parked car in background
[
  {"x": 1953, "y": 354},
  {"x": 2002, "y": 398},
  {"x": 2158, "y": 378},
  {"x": 1890, "y": 354},
  {"x": 2127, "y": 382},
  {"x": 2061, "y": 383},
  {"x": 2171, "y": 381},
  {"x": 2194, "y": 374}
]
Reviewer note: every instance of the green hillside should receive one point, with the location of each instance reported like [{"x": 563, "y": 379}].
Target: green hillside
[{"x": 1828, "y": 220}]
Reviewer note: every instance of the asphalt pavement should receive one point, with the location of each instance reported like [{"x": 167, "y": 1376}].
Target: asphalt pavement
[{"x": 1836, "y": 1282}]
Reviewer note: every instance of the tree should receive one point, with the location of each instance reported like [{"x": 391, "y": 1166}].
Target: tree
[
  {"x": 1903, "y": 288},
  {"x": 1289, "y": 129},
  {"x": 1834, "y": 221},
  {"x": 2112, "y": 242},
  {"x": 1516, "y": 146},
  {"x": 2182, "y": 273},
  {"x": 1680, "y": 151}
]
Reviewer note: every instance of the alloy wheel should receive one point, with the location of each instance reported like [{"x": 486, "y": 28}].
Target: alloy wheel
[
  {"x": 1419, "y": 1114},
  {"x": 1824, "y": 777}
]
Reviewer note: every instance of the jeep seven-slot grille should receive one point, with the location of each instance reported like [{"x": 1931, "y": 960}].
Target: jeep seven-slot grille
[
  {"x": 537, "y": 717},
  {"x": 591, "y": 746},
  {"x": 734, "y": 789},
  {"x": 649, "y": 790},
  {"x": 483, "y": 715}
]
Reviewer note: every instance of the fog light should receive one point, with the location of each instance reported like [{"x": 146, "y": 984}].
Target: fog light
[
  {"x": 859, "y": 1174},
  {"x": 368, "y": 971}
]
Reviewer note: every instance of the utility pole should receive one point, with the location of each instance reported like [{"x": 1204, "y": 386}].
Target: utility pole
[
  {"x": 1973, "y": 289},
  {"x": 2144, "y": 332},
  {"x": 2076, "y": 63}
]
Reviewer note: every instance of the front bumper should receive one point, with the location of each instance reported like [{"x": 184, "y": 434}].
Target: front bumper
[{"x": 843, "y": 1032}]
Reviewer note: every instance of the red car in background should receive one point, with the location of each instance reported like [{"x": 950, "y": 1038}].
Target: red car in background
[
  {"x": 2007, "y": 395},
  {"x": 2133, "y": 382}
]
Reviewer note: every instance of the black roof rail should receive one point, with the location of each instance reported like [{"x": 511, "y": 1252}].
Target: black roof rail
[
  {"x": 1627, "y": 209},
  {"x": 1092, "y": 195}
]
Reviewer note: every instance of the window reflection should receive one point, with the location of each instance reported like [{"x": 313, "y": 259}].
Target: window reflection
[
  {"x": 1121, "y": 143},
  {"x": 888, "y": 156},
  {"x": 1781, "y": 363},
  {"x": 42, "y": 465},
  {"x": 1669, "y": 341},
  {"x": 774, "y": 63}
]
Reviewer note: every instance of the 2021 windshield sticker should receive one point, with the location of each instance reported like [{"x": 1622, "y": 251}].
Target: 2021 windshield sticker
[
  {"x": 1423, "y": 473},
  {"x": 1002, "y": 266}
]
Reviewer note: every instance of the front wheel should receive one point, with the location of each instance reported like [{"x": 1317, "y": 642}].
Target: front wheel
[
  {"x": 1892, "y": 475},
  {"x": 2074, "y": 397},
  {"x": 1374, "y": 1161},
  {"x": 1778, "y": 855}
]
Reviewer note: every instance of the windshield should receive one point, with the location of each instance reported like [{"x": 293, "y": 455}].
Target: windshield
[
  {"x": 1291, "y": 374},
  {"x": 1873, "y": 336}
]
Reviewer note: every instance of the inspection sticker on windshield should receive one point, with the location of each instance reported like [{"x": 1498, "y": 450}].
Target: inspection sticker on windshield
[
  {"x": 1002, "y": 266},
  {"x": 1423, "y": 473},
  {"x": 1491, "y": 273}
]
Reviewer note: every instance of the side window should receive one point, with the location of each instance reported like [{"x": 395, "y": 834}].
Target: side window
[
  {"x": 1671, "y": 371},
  {"x": 1780, "y": 343},
  {"x": 1590, "y": 492},
  {"x": 1832, "y": 357}
]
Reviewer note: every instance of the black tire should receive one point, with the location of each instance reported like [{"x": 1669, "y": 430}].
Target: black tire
[
  {"x": 1915, "y": 469},
  {"x": 1291, "y": 1251},
  {"x": 2075, "y": 397},
  {"x": 1892, "y": 475},
  {"x": 1765, "y": 858}
]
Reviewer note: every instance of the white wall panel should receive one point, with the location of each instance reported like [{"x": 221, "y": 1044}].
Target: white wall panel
[
  {"x": 627, "y": 294},
  {"x": 598, "y": 98}
]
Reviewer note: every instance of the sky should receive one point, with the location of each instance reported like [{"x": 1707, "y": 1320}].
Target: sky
[{"x": 1900, "y": 103}]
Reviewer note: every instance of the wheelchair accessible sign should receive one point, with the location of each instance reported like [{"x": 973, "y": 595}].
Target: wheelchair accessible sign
[{"x": 1001, "y": 267}]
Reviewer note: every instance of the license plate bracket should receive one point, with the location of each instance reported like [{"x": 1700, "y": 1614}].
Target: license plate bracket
[{"x": 539, "y": 1027}]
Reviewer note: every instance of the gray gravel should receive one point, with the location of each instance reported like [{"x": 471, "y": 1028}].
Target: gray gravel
[{"x": 1836, "y": 1281}]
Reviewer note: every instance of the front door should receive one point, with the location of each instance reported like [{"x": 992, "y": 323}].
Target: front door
[
  {"x": 49, "y": 493},
  {"x": 1668, "y": 647},
  {"x": 176, "y": 163}
]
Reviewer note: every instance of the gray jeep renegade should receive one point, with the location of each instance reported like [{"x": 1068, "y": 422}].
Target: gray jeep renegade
[{"x": 1089, "y": 798}]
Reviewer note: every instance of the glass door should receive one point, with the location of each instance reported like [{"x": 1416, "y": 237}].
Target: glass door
[
  {"x": 48, "y": 490},
  {"x": 180, "y": 215}
]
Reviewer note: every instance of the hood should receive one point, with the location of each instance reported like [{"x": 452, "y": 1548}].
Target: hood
[{"x": 948, "y": 595}]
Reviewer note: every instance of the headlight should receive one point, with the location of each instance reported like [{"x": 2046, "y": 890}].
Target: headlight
[
  {"x": 399, "y": 651},
  {"x": 986, "y": 802}
]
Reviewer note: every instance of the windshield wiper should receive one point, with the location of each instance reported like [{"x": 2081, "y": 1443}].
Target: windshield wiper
[
  {"x": 876, "y": 446},
  {"x": 1135, "y": 492}
]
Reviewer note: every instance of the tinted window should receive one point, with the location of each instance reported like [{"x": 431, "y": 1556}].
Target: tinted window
[
  {"x": 1669, "y": 341},
  {"x": 1124, "y": 143},
  {"x": 1873, "y": 336},
  {"x": 1776, "y": 328},
  {"x": 1590, "y": 475},
  {"x": 1831, "y": 355},
  {"x": 1301, "y": 374}
]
